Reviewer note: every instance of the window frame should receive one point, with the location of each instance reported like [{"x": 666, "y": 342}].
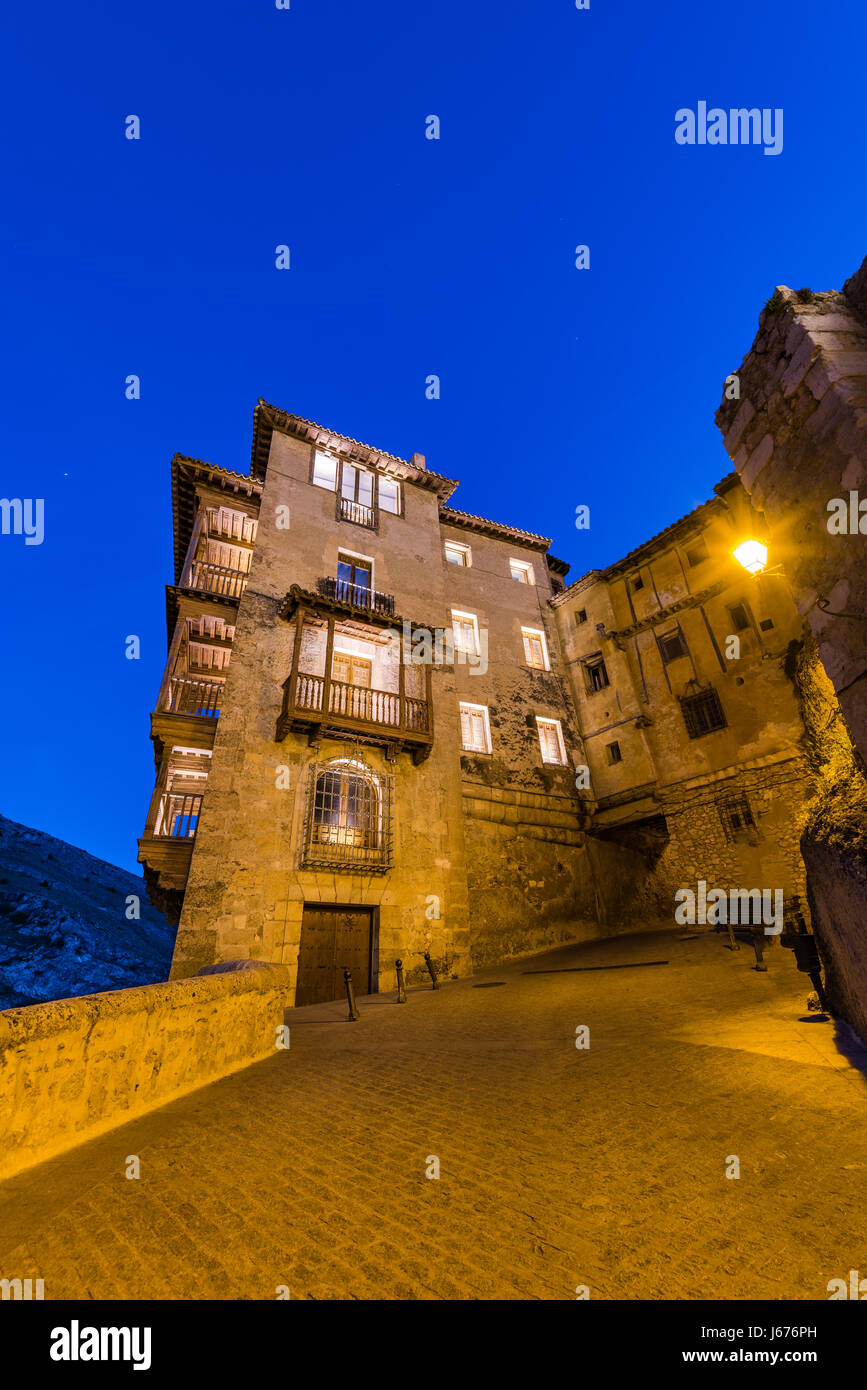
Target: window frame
[
  {"x": 465, "y": 705},
  {"x": 595, "y": 663},
  {"x": 526, "y": 568},
  {"x": 662, "y": 638},
  {"x": 330, "y": 458},
  {"x": 689, "y": 704},
  {"x": 699, "y": 547},
  {"x": 395, "y": 482},
  {"x": 539, "y": 633},
  {"x": 466, "y": 552},
  {"x": 471, "y": 618},
  {"x": 556, "y": 725}
]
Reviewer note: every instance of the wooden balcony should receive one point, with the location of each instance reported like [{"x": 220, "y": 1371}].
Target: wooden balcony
[
  {"x": 220, "y": 580},
  {"x": 318, "y": 704},
  {"x": 186, "y": 695},
  {"x": 357, "y": 595},
  {"x": 334, "y": 709},
  {"x": 234, "y": 527}
]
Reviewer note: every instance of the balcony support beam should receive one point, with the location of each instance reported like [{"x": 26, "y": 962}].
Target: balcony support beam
[{"x": 329, "y": 654}]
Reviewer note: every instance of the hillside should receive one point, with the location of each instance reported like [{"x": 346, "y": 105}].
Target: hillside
[{"x": 63, "y": 928}]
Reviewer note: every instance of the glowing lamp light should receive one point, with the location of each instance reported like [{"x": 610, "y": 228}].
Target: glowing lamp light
[{"x": 752, "y": 555}]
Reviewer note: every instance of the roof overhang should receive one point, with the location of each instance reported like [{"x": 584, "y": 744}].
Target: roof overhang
[{"x": 268, "y": 418}]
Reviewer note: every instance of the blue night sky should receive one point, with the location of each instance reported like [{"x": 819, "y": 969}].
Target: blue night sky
[{"x": 408, "y": 257}]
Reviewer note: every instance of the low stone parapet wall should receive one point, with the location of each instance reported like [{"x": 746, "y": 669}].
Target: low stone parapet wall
[{"x": 75, "y": 1068}]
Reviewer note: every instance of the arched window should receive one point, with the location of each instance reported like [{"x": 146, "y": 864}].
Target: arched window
[{"x": 349, "y": 816}]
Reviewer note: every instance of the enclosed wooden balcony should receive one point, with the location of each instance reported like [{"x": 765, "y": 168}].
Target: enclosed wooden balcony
[{"x": 344, "y": 682}]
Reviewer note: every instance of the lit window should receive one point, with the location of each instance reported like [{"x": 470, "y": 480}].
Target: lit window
[
  {"x": 356, "y": 485},
  {"x": 348, "y": 817},
  {"x": 535, "y": 648},
  {"x": 457, "y": 554},
  {"x": 389, "y": 495},
  {"x": 521, "y": 571},
  {"x": 551, "y": 741},
  {"x": 466, "y": 630},
  {"x": 325, "y": 471},
  {"x": 613, "y": 752},
  {"x": 475, "y": 730}
]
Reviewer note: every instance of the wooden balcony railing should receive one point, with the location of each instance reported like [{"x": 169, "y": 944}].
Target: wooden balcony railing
[
  {"x": 187, "y": 696},
  {"x": 177, "y": 816},
  {"x": 357, "y": 512},
  {"x": 357, "y": 594},
  {"x": 354, "y": 708},
  {"x": 216, "y": 579}
]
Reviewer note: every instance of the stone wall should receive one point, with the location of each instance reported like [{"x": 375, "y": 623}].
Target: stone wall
[
  {"x": 537, "y": 880},
  {"x": 798, "y": 438},
  {"x": 766, "y": 855},
  {"x": 74, "y": 1068},
  {"x": 834, "y": 838}
]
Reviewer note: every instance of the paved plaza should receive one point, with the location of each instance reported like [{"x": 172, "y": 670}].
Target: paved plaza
[{"x": 559, "y": 1166}]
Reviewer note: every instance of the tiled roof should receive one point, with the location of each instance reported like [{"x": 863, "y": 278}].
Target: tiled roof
[
  {"x": 268, "y": 417},
  {"x": 674, "y": 531},
  {"x": 493, "y": 528}
]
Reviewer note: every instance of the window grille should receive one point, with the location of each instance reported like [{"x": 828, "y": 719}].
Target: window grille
[
  {"x": 736, "y": 815},
  {"x": 702, "y": 713},
  {"x": 349, "y": 821}
]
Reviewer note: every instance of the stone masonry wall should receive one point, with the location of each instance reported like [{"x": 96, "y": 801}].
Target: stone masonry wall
[
  {"x": 74, "y": 1068},
  {"x": 798, "y": 439}
]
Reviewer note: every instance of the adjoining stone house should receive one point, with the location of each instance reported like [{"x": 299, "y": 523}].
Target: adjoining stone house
[
  {"x": 690, "y": 721},
  {"x": 387, "y": 765}
]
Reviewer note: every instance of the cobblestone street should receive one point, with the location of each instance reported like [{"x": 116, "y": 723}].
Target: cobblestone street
[{"x": 560, "y": 1167}]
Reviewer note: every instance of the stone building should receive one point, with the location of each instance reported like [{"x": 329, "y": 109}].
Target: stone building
[
  {"x": 392, "y": 761},
  {"x": 690, "y": 721},
  {"x": 796, "y": 431}
]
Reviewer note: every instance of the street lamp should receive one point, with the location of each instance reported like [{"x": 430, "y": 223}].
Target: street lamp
[{"x": 752, "y": 554}]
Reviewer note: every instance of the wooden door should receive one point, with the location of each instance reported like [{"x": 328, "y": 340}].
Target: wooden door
[{"x": 332, "y": 940}]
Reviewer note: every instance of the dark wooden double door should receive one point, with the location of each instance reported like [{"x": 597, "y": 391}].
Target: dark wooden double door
[{"x": 332, "y": 940}]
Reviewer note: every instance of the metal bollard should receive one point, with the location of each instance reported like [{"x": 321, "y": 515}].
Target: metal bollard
[
  {"x": 430, "y": 970},
  {"x": 350, "y": 995},
  {"x": 401, "y": 983}
]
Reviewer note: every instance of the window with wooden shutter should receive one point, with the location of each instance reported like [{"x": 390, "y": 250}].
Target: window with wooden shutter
[
  {"x": 551, "y": 741},
  {"x": 475, "y": 732},
  {"x": 535, "y": 648}
]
